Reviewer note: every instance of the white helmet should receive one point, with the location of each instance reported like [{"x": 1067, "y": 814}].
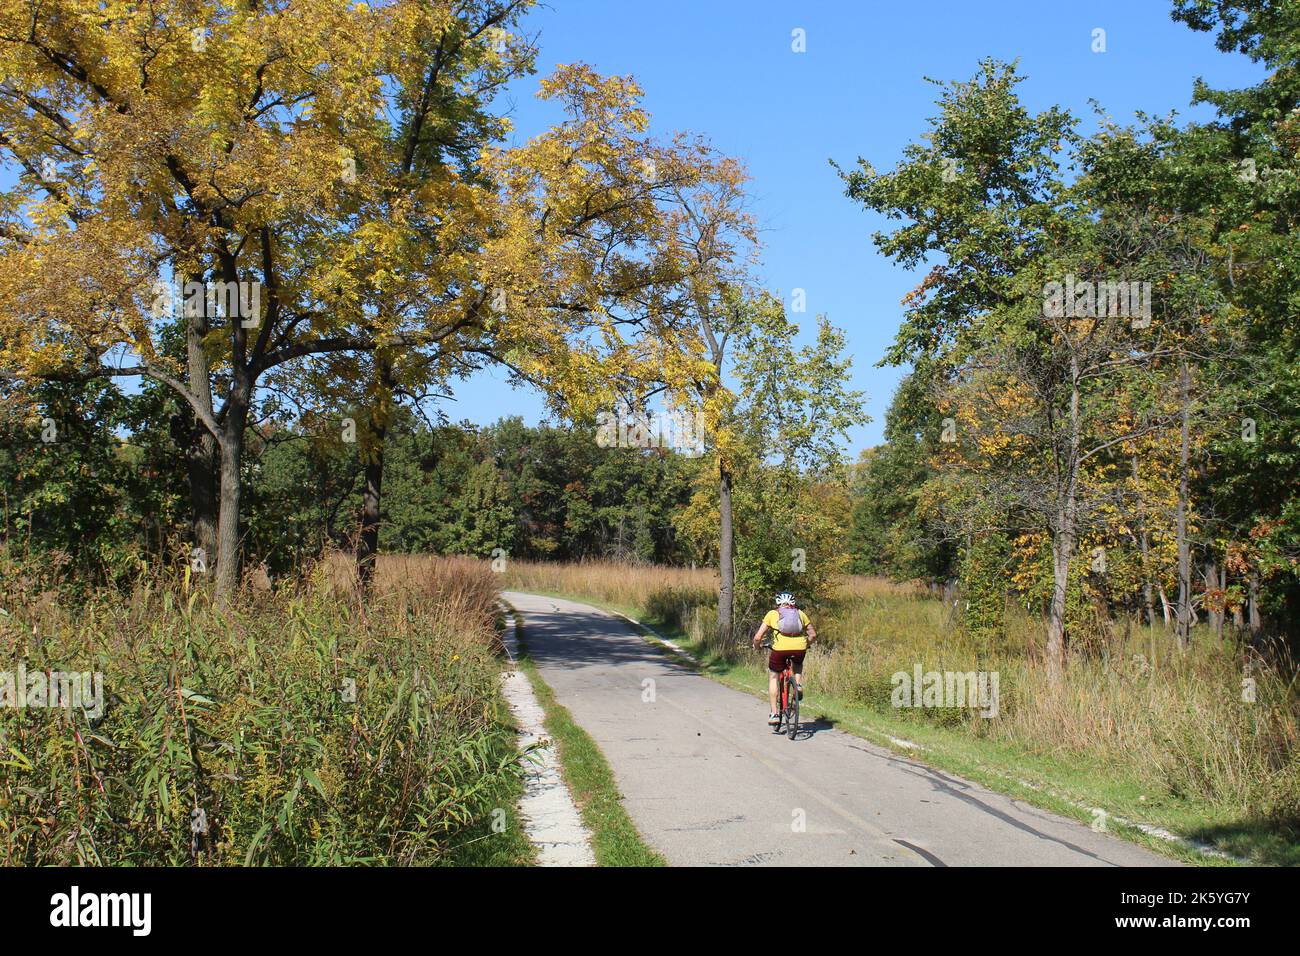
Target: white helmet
[{"x": 785, "y": 597}]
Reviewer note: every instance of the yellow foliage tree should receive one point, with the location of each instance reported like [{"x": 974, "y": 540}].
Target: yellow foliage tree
[{"x": 313, "y": 180}]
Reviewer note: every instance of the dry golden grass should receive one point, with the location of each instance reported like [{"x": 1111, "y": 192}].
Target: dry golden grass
[
  {"x": 427, "y": 574},
  {"x": 460, "y": 592},
  {"x": 624, "y": 585}
]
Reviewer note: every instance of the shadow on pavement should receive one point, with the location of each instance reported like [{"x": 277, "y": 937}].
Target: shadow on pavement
[
  {"x": 809, "y": 728},
  {"x": 574, "y": 638}
]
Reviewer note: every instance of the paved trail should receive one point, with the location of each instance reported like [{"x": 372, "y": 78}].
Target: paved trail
[{"x": 706, "y": 782}]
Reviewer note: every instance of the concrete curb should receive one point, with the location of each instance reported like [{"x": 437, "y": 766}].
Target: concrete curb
[{"x": 550, "y": 818}]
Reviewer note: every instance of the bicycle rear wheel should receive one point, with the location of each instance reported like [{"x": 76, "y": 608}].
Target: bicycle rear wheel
[{"x": 792, "y": 708}]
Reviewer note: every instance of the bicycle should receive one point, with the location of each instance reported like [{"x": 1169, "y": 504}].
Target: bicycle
[{"x": 787, "y": 698}]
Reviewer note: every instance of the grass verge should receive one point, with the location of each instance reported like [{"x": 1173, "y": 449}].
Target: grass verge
[{"x": 506, "y": 843}]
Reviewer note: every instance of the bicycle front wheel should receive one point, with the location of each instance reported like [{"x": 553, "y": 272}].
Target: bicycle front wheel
[{"x": 781, "y": 706}]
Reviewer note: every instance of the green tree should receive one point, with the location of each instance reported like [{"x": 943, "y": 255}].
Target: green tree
[
  {"x": 894, "y": 533},
  {"x": 486, "y": 518},
  {"x": 1041, "y": 386},
  {"x": 1241, "y": 173},
  {"x": 784, "y": 433}
]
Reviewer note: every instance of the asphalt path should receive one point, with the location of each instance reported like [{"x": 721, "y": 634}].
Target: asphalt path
[{"x": 706, "y": 782}]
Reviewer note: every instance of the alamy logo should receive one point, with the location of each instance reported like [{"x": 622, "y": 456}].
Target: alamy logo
[
  {"x": 103, "y": 909},
  {"x": 212, "y": 300},
  {"x": 946, "y": 689},
  {"x": 48, "y": 689},
  {"x": 629, "y": 428},
  {"x": 1083, "y": 299}
]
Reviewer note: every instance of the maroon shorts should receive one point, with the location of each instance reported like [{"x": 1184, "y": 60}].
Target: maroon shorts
[{"x": 776, "y": 660}]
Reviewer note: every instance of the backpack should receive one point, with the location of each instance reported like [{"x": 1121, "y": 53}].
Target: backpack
[{"x": 788, "y": 622}]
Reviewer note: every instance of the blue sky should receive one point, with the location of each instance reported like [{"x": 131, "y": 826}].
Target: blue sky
[{"x": 725, "y": 68}]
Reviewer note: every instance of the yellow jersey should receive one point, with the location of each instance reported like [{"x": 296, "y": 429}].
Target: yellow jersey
[{"x": 784, "y": 642}]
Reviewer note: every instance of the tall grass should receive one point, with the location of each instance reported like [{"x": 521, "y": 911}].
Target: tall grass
[
  {"x": 1178, "y": 719},
  {"x": 300, "y": 727},
  {"x": 616, "y": 584},
  {"x": 1173, "y": 720}
]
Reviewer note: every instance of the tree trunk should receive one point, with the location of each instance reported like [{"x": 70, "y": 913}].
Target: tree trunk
[
  {"x": 373, "y": 464},
  {"x": 1144, "y": 546},
  {"x": 202, "y": 462},
  {"x": 1211, "y": 575},
  {"x": 1061, "y": 557},
  {"x": 201, "y": 457},
  {"x": 1223, "y": 596},
  {"x": 368, "y": 540},
  {"x": 1252, "y": 618},
  {"x": 1184, "y": 615},
  {"x": 1148, "y": 589},
  {"x": 232, "y": 455},
  {"x": 1063, "y": 536},
  {"x": 726, "y": 557}
]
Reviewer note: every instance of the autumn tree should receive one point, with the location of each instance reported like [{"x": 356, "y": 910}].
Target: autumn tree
[
  {"x": 984, "y": 193},
  {"x": 717, "y": 237},
  {"x": 328, "y": 196},
  {"x": 1238, "y": 172},
  {"x": 217, "y": 150}
]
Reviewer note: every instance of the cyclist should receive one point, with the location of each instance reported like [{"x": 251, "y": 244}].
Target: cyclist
[{"x": 792, "y": 632}]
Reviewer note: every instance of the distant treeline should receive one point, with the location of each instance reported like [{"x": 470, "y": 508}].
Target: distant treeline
[{"x": 108, "y": 488}]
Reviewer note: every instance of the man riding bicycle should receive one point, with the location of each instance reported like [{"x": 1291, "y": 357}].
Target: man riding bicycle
[{"x": 792, "y": 632}]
